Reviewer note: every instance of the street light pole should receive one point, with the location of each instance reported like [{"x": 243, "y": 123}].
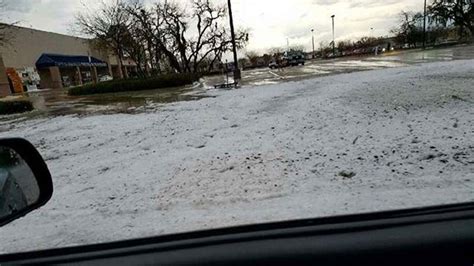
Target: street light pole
[
  {"x": 424, "y": 26},
  {"x": 237, "y": 74},
  {"x": 333, "y": 38},
  {"x": 312, "y": 32}
]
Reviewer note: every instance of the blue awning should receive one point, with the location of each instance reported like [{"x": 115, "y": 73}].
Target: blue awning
[{"x": 50, "y": 60}]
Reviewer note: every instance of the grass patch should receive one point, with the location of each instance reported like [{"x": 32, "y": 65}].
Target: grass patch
[
  {"x": 15, "y": 106},
  {"x": 138, "y": 84}
]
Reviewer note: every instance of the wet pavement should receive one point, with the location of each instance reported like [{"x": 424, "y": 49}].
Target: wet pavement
[
  {"x": 315, "y": 68},
  {"x": 57, "y": 102}
]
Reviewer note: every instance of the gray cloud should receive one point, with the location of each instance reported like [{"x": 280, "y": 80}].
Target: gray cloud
[
  {"x": 326, "y": 2},
  {"x": 373, "y": 3},
  {"x": 21, "y": 6},
  {"x": 356, "y": 3},
  {"x": 271, "y": 21}
]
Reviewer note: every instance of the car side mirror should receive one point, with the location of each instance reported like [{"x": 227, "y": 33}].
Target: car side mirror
[{"x": 25, "y": 181}]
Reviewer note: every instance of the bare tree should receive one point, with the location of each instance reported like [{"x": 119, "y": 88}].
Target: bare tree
[
  {"x": 164, "y": 34},
  {"x": 109, "y": 26},
  {"x": 134, "y": 49},
  {"x": 344, "y": 45},
  {"x": 162, "y": 28},
  {"x": 367, "y": 42},
  {"x": 167, "y": 27},
  {"x": 213, "y": 39},
  {"x": 297, "y": 47},
  {"x": 459, "y": 12},
  {"x": 149, "y": 24},
  {"x": 410, "y": 29},
  {"x": 252, "y": 57},
  {"x": 325, "y": 48},
  {"x": 276, "y": 51}
]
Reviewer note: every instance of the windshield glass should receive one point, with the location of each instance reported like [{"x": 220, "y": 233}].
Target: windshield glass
[{"x": 157, "y": 117}]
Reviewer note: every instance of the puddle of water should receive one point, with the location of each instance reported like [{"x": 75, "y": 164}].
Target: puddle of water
[
  {"x": 265, "y": 82},
  {"x": 317, "y": 68},
  {"x": 58, "y": 102}
]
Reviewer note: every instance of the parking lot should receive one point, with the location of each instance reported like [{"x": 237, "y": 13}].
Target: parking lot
[
  {"x": 315, "y": 68},
  {"x": 360, "y": 142},
  {"x": 50, "y": 103}
]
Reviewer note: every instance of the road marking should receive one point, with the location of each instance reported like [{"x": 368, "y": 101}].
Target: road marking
[{"x": 276, "y": 75}]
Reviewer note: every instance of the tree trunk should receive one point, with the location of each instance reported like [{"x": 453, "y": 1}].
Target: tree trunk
[
  {"x": 119, "y": 65},
  {"x": 174, "y": 63},
  {"x": 471, "y": 31}
]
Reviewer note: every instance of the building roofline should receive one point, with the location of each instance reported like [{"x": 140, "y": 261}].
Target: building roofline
[{"x": 45, "y": 31}]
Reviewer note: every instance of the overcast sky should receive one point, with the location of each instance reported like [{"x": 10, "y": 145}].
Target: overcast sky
[{"x": 270, "y": 22}]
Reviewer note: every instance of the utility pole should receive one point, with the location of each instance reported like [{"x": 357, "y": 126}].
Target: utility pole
[
  {"x": 312, "y": 33},
  {"x": 424, "y": 26},
  {"x": 237, "y": 74},
  {"x": 333, "y": 38}
]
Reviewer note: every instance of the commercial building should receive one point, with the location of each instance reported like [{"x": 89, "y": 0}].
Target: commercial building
[{"x": 34, "y": 59}]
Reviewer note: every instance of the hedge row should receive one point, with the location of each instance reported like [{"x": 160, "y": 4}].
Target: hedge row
[
  {"x": 15, "y": 106},
  {"x": 137, "y": 84}
]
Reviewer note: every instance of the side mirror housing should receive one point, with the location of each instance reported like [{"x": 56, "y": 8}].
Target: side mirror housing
[{"x": 25, "y": 181}]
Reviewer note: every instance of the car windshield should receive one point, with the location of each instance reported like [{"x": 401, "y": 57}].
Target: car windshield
[{"x": 158, "y": 117}]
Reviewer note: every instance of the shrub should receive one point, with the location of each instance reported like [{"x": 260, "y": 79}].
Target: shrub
[
  {"x": 137, "y": 84},
  {"x": 15, "y": 106}
]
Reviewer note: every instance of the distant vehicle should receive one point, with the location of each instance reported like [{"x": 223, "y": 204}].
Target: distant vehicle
[
  {"x": 273, "y": 65},
  {"x": 105, "y": 78},
  {"x": 377, "y": 50},
  {"x": 294, "y": 58}
]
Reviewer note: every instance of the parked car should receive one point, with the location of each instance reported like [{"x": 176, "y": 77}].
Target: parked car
[
  {"x": 105, "y": 78},
  {"x": 273, "y": 65},
  {"x": 294, "y": 58}
]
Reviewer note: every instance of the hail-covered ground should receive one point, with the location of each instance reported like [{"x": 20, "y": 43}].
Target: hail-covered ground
[{"x": 350, "y": 143}]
